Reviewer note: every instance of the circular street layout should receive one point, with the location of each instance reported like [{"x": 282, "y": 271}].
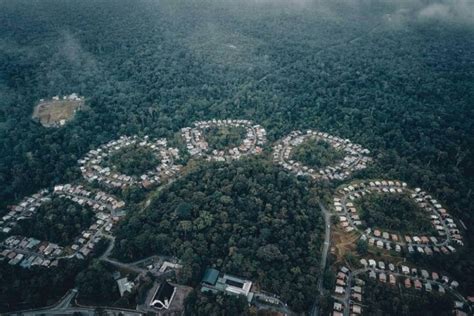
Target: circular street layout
[
  {"x": 445, "y": 230},
  {"x": 197, "y": 144},
  {"x": 28, "y": 251},
  {"x": 386, "y": 214},
  {"x": 97, "y": 166},
  {"x": 355, "y": 156}
]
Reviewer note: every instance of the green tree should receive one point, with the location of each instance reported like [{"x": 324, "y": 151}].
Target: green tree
[{"x": 362, "y": 247}]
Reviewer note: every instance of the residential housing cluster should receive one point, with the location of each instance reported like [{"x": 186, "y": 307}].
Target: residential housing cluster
[
  {"x": 356, "y": 157},
  {"x": 27, "y": 251},
  {"x": 94, "y": 166},
  {"x": 24, "y": 210},
  {"x": 447, "y": 232},
  {"x": 410, "y": 277},
  {"x": 197, "y": 145},
  {"x": 348, "y": 290},
  {"x": 348, "y": 298},
  {"x": 98, "y": 201},
  {"x": 106, "y": 213}
]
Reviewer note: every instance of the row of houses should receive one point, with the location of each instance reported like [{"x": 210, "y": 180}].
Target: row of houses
[
  {"x": 27, "y": 251},
  {"x": 409, "y": 281},
  {"x": 98, "y": 201},
  {"x": 413, "y": 277},
  {"x": 356, "y": 157},
  {"x": 84, "y": 245},
  {"x": 95, "y": 166},
  {"x": 349, "y": 287},
  {"x": 347, "y": 296},
  {"x": 104, "y": 207},
  {"x": 24, "y": 210},
  {"x": 28, "y": 207},
  {"x": 424, "y": 249},
  {"x": 442, "y": 222},
  {"x": 197, "y": 145}
]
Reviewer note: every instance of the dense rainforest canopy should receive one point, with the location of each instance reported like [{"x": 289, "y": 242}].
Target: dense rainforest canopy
[
  {"x": 133, "y": 161},
  {"x": 383, "y": 73},
  {"x": 248, "y": 219}
]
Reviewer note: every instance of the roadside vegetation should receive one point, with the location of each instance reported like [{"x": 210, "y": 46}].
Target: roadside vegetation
[
  {"x": 24, "y": 288},
  {"x": 202, "y": 304},
  {"x": 96, "y": 286}
]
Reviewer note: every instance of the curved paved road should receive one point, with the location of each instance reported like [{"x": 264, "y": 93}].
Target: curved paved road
[{"x": 324, "y": 255}]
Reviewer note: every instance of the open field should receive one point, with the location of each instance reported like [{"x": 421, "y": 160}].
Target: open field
[{"x": 54, "y": 113}]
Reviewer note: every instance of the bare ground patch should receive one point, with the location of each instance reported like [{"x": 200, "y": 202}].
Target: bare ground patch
[
  {"x": 346, "y": 242},
  {"x": 343, "y": 242},
  {"x": 55, "y": 113}
]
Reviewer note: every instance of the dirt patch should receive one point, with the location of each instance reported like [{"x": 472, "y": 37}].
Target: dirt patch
[
  {"x": 177, "y": 305},
  {"x": 56, "y": 113},
  {"x": 343, "y": 243}
]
